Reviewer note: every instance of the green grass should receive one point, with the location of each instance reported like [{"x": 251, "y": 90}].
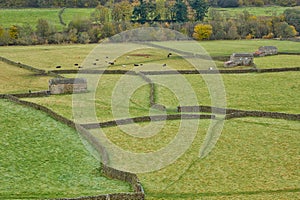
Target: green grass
[
  {"x": 62, "y": 104},
  {"x": 42, "y": 158},
  {"x": 9, "y": 17},
  {"x": 253, "y": 159},
  {"x": 267, "y": 92},
  {"x": 17, "y": 80},
  {"x": 227, "y": 47},
  {"x": 68, "y": 55},
  {"x": 278, "y": 92},
  {"x": 278, "y": 61},
  {"x": 257, "y": 11},
  {"x": 47, "y": 57}
]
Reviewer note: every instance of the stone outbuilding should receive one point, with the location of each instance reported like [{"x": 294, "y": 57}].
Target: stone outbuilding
[
  {"x": 67, "y": 85},
  {"x": 240, "y": 59},
  {"x": 266, "y": 51}
]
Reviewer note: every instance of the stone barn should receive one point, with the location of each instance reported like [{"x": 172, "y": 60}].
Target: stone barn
[
  {"x": 266, "y": 51},
  {"x": 240, "y": 59},
  {"x": 67, "y": 85}
]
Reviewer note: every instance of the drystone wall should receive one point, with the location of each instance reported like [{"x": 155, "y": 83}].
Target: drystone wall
[{"x": 132, "y": 179}]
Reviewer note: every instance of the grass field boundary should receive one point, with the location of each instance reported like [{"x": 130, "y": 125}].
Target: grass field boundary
[
  {"x": 60, "y": 13},
  {"x": 32, "y": 94},
  {"x": 130, "y": 178},
  {"x": 172, "y": 72},
  {"x": 30, "y": 68},
  {"x": 146, "y": 119},
  {"x": 288, "y": 53},
  {"x": 24, "y": 66},
  {"x": 230, "y": 114},
  {"x": 235, "y": 113}
]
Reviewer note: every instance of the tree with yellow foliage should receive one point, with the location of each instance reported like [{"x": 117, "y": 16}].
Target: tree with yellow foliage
[{"x": 202, "y": 31}]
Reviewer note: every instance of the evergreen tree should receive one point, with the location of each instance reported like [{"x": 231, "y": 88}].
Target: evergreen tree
[
  {"x": 181, "y": 12},
  {"x": 200, "y": 7}
]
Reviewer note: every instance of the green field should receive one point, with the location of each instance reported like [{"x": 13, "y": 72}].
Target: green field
[
  {"x": 26, "y": 80},
  {"x": 257, "y": 11},
  {"x": 66, "y": 56},
  {"x": 42, "y": 158},
  {"x": 9, "y": 17},
  {"x": 255, "y": 158}
]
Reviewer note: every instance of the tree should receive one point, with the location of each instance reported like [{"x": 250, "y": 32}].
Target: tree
[
  {"x": 161, "y": 9},
  {"x": 4, "y": 37},
  {"x": 44, "y": 29},
  {"x": 284, "y": 30},
  {"x": 232, "y": 33},
  {"x": 286, "y": 2},
  {"x": 26, "y": 35},
  {"x": 200, "y": 7},
  {"x": 108, "y": 30},
  {"x": 202, "y": 31},
  {"x": 13, "y": 32},
  {"x": 84, "y": 38},
  {"x": 228, "y": 3},
  {"x": 101, "y": 15},
  {"x": 145, "y": 11},
  {"x": 122, "y": 11},
  {"x": 180, "y": 11},
  {"x": 292, "y": 17},
  {"x": 81, "y": 24}
]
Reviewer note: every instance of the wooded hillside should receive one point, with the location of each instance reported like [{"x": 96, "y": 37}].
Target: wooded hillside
[{"x": 94, "y": 3}]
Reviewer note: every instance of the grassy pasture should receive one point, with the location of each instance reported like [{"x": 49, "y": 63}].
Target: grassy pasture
[
  {"x": 42, "y": 158},
  {"x": 247, "y": 91},
  {"x": 227, "y": 47},
  {"x": 66, "y": 56},
  {"x": 270, "y": 92},
  {"x": 47, "y": 57},
  {"x": 257, "y": 11},
  {"x": 9, "y": 17},
  {"x": 17, "y": 80},
  {"x": 253, "y": 159}
]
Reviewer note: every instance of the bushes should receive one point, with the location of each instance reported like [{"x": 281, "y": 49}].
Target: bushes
[
  {"x": 202, "y": 31},
  {"x": 106, "y": 22},
  {"x": 248, "y": 26}
]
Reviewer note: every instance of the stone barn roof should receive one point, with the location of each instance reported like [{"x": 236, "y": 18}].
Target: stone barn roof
[
  {"x": 268, "y": 48},
  {"x": 57, "y": 81},
  {"x": 242, "y": 55}
]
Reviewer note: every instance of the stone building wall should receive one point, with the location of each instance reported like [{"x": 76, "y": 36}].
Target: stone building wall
[{"x": 67, "y": 86}]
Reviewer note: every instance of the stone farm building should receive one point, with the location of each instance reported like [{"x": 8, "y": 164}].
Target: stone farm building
[
  {"x": 67, "y": 85},
  {"x": 240, "y": 59},
  {"x": 266, "y": 51}
]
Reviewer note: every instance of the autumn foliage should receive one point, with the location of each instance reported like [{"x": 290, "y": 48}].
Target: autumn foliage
[{"x": 202, "y": 31}]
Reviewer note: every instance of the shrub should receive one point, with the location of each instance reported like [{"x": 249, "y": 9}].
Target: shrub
[{"x": 202, "y": 31}]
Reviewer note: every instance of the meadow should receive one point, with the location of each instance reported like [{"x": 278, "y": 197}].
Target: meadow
[
  {"x": 257, "y": 11},
  {"x": 41, "y": 56},
  {"x": 43, "y": 158},
  {"x": 9, "y": 17},
  {"x": 255, "y": 158}
]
